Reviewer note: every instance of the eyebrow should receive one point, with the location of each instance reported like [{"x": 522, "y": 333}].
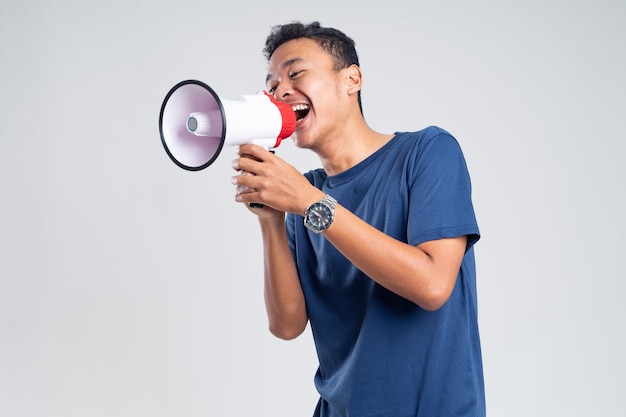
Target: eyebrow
[{"x": 285, "y": 65}]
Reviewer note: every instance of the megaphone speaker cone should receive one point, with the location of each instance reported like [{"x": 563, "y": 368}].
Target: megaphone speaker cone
[{"x": 186, "y": 148}]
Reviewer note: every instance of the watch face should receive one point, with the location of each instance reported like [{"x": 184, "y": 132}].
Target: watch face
[{"x": 320, "y": 216}]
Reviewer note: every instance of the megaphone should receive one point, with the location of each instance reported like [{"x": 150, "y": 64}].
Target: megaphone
[{"x": 195, "y": 124}]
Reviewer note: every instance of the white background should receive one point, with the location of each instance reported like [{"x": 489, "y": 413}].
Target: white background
[{"x": 130, "y": 287}]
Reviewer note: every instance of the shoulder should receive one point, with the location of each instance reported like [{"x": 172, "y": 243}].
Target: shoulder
[
  {"x": 316, "y": 177},
  {"x": 428, "y": 143},
  {"x": 426, "y": 136}
]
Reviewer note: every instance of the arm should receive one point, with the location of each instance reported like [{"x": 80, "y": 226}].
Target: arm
[
  {"x": 284, "y": 300},
  {"x": 424, "y": 274}
]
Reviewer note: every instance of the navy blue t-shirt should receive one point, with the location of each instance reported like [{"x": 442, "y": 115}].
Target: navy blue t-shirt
[{"x": 380, "y": 354}]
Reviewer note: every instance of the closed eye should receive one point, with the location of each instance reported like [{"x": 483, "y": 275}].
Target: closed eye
[
  {"x": 293, "y": 74},
  {"x": 271, "y": 89}
]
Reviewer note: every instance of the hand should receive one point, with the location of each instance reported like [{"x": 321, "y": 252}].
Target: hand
[{"x": 267, "y": 179}]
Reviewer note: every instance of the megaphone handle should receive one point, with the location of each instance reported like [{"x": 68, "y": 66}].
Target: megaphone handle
[{"x": 259, "y": 205}]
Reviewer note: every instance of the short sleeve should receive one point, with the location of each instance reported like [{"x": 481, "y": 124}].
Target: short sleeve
[{"x": 440, "y": 203}]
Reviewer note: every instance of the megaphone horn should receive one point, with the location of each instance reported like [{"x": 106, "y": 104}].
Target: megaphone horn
[{"x": 195, "y": 124}]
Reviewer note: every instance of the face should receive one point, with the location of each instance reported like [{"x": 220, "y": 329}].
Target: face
[{"x": 301, "y": 73}]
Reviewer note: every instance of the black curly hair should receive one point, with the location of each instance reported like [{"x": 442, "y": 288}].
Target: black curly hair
[
  {"x": 333, "y": 41},
  {"x": 338, "y": 45}
]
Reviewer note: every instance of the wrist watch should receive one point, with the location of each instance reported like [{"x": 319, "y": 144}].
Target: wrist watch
[{"x": 319, "y": 215}]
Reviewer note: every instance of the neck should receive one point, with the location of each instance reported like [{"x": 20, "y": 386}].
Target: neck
[{"x": 351, "y": 146}]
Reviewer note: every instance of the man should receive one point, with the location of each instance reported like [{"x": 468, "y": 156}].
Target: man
[{"x": 375, "y": 249}]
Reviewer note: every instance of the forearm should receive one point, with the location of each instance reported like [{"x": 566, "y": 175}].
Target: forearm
[
  {"x": 424, "y": 274},
  {"x": 284, "y": 299}
]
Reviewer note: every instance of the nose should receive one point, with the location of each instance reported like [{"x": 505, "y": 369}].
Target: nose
[{"x": 283, "y": 90}]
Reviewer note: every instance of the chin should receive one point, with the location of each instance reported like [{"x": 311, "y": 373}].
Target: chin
[{"x": 300, "y": 141}]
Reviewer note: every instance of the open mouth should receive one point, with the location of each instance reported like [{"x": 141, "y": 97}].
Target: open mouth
[{"x": 301, "y": 110}]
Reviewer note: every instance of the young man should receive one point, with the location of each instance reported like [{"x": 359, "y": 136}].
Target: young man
[{"x": 375, "y": 249}]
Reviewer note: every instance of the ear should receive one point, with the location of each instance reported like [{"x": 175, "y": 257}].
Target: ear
[{"x": 354, "y": 78}]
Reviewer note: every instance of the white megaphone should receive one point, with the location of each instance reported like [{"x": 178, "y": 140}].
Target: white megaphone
[{"x": 195, "y": 124}]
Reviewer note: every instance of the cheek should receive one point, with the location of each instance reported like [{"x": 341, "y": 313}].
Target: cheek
[
  {"x": 326, "y": 100},
  {"x": 321, "y": 89}
]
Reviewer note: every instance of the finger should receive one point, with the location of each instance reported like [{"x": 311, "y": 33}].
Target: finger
[
  {"x": 236, "y": 164},
  {"x": 245, "y": 182},
  {"x": 256, "y": 151},
  {"x": 242, "y": 189},
  {"x": 246, "y": 163},
  {"x": 259, "y": 153},
  {"x": 250, "y": 196},
  {"x": 242, "y": 186},
  {"x": 244, "y": 178}
]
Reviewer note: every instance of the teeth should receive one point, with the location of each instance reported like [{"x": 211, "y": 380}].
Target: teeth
[{"x": 301, "y": 110}]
